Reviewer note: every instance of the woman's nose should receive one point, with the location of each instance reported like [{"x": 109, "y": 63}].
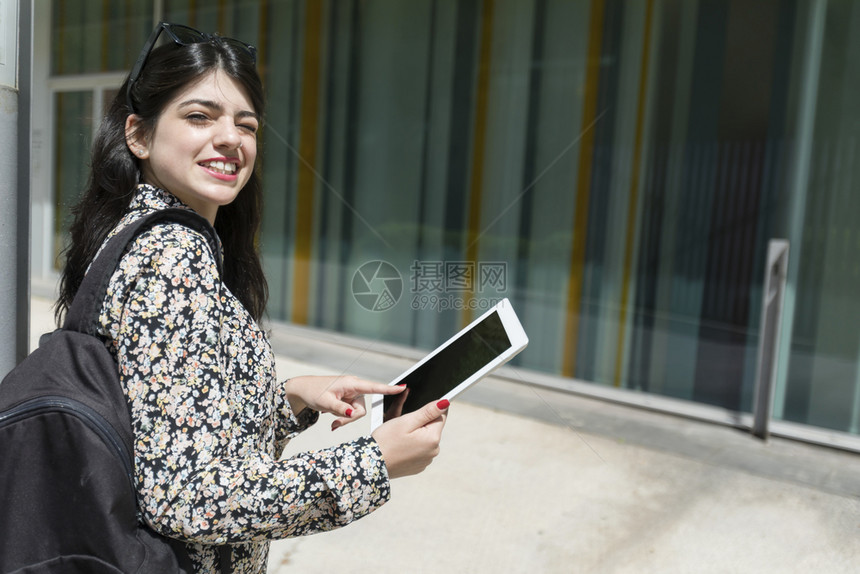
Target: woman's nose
[{"x": 227, "y": 134}]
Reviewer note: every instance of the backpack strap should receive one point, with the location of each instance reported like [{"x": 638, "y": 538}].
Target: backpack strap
[
  {"x": 225, "y": 559},
  {"x": 91, "y": 294}
]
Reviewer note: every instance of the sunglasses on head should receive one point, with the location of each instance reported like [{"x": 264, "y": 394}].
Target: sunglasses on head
[{"x": 181, "y": 36}]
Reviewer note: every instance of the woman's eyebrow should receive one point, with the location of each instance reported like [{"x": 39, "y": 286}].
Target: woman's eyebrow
[
  {"x": 248, "y": 114},
  {"x": 216, "y": 106}
]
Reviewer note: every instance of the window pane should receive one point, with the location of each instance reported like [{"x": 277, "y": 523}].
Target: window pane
[
  {"x": 823, "y": 384},
  {"x": 91, "y": 37},
  {"x": 73, "y": 129}
]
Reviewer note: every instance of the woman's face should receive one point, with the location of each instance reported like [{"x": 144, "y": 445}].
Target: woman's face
[{"x": 204, "y": 144}]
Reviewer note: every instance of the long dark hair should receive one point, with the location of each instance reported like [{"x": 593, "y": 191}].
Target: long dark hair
[{"x": 114, "y": 171}]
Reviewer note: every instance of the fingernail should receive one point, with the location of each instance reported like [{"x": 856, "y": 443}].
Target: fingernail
[
  {"x": 443, "y": 404},
  {"x": 401, "y": 384},
  {"x": 348, "y": 413}
]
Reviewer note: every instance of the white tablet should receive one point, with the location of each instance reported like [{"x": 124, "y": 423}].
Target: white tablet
[{"x": 486, "y": 343}]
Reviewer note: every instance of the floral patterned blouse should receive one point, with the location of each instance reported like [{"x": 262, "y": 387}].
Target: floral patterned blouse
[{"x": 209, "y": 419}]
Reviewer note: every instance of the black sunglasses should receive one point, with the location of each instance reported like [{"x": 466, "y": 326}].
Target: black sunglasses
[{"x": 181, "y": 36}]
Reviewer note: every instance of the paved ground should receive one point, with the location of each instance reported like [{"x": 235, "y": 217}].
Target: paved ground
[{"x": 536, "y": 481}]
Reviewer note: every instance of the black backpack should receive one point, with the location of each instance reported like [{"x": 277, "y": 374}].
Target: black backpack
[{"x": 67, "y": 500}]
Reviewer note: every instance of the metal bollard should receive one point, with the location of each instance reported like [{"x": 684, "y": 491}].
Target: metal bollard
[{"x": 776, "y": 273}]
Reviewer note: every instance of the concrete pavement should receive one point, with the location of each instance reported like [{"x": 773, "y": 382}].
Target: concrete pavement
[{"x": 536, "y": 481}]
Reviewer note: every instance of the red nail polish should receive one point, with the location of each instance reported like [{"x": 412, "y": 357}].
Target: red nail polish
[
  {"x": 443, "y": 404},
  {"x": 401, "y": 384},
  {"x": 348, "y": 413}
]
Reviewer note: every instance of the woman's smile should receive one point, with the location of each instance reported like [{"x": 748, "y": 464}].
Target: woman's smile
[{"x": 222, "y": 168}]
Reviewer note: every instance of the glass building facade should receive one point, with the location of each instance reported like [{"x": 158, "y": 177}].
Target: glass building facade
[{"x": 615, "y": 168}]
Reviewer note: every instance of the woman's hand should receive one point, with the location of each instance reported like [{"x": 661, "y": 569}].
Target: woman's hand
[
  {"x": 410, "y": 442},
  {"x": 342, "y": 396}
]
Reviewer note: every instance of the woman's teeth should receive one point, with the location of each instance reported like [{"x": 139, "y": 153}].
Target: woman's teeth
[{"x": 227, "y": 168}]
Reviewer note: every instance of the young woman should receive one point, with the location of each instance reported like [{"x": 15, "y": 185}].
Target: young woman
[{"x": 210, "y": 421}]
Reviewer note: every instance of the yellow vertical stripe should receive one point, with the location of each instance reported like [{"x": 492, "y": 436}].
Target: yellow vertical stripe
[
  {"x": 222, "y": 18},
  {"x": 583, "y": 189},
  {"x": 634, "y": 195},
  {"x": 263, "y": 40},
  {"x": 307, "y": 163},
  {"x": 476, "y": 184}
]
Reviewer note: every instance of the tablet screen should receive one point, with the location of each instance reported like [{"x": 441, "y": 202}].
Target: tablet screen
[{"x": 465, "y": 356}]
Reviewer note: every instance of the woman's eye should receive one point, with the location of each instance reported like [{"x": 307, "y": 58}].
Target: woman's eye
[
  {"x": 248, "y": 128},
  {"x": 197, "y": 118}
]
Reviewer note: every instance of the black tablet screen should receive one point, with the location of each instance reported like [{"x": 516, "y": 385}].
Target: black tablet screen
[{"x": 454, "y": 364}]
